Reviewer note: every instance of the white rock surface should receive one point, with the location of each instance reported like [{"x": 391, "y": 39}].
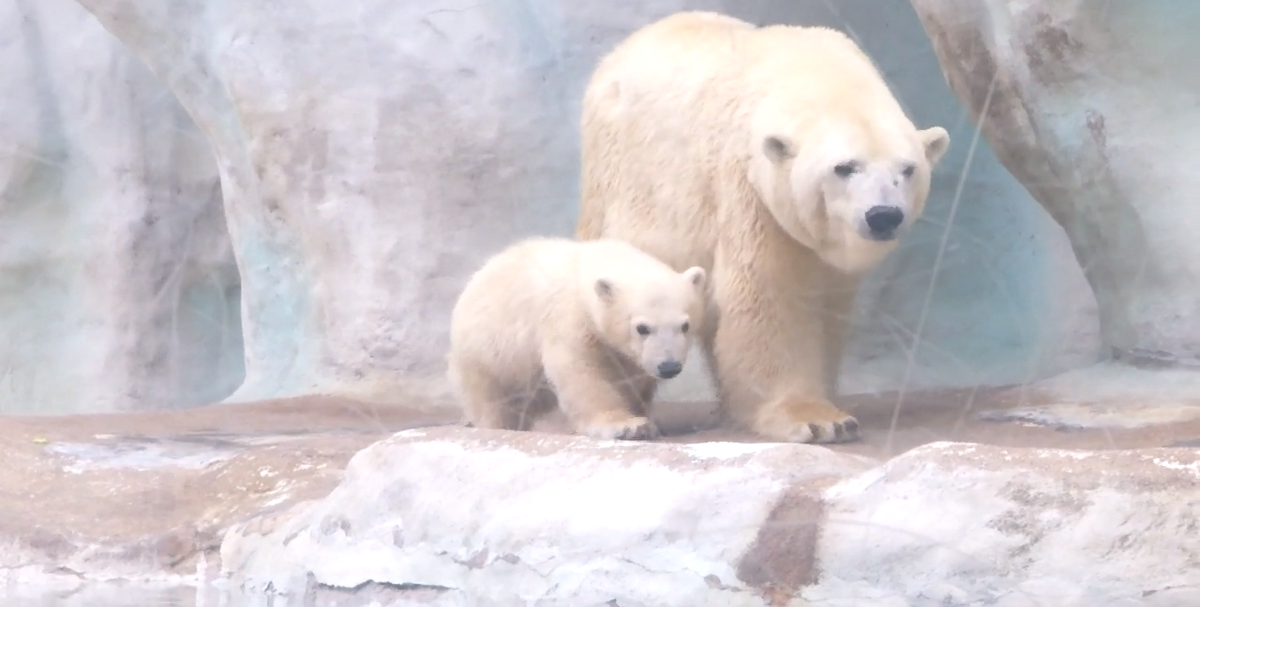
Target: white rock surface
[
  {"x": 118, "y": 288},
  {"x": 372, "y": 153},
  {"x": 969, "y": 525},
  {"x": 505, "y": 518},
  {"x": 1095, "y": 106},
  {"x": 514, "y": 519}
]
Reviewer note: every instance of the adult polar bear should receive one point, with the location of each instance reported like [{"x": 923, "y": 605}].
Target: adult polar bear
[{"x": 777, "y": 159}]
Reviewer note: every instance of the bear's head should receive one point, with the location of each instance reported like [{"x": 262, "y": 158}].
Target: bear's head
[
  {"x": 849, "y": 190},
  {"x": 651, "y": 319}
]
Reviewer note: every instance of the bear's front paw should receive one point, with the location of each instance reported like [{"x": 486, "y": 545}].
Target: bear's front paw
[
  {"x": 807, "y": 421},
  {"x": 631, "y": 429}
]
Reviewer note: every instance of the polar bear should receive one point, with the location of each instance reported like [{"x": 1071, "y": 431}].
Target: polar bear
[
  {"x": 591, "y": 326},
  {"x": 777, "y": 159}
]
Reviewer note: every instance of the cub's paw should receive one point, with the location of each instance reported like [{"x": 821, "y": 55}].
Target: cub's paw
[
  {"x": 630, "y": 429},
  {"x": 806, "y": 421}
]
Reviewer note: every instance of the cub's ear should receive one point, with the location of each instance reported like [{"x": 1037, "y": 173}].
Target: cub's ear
[
  {"x": 935, "y": 141},
  {"x": 604, "y": 290},
  {"x": 696, "y": 276},
  {"x": 777, "y": 148}
]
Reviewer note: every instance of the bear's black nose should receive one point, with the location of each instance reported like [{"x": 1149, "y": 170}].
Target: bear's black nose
[
  {"x": 669, "y": 369},
  {"x": 883, "y": 219}
]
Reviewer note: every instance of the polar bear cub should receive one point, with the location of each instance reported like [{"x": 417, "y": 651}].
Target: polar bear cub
[{"x": 590, "y": 326}]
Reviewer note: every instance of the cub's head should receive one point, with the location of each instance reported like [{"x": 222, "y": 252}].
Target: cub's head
[
  {"x": 848, "y": 191},
  {"x": 651, "y": 319}
]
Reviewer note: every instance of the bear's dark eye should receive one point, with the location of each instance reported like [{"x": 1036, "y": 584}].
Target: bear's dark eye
[
  {"x": 642, "y": 329},
  {"x": 909, "y": 171},
  {"x": 847, "y": 168},
  {"x": 684, "y": 328}
]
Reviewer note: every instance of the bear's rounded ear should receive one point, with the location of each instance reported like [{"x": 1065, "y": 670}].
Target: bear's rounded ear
[
  {"x": 777, "y": 149},
  {"x": 604, "y": 289},
  {"x": 936, "y": 140},
  {"x": 696, "y": 276}
]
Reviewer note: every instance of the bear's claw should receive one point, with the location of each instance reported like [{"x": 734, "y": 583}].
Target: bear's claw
[
  {"x": 786, "y": 422},
  {"x": 843, "y": 431},
  {"x": 635, "y": 429}
]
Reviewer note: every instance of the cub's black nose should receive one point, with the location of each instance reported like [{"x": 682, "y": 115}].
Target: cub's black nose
[{"x": 669, "y": 369}]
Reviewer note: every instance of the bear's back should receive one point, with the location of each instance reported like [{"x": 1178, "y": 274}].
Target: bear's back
[
  {"x": 521, "y": 280},
  {"x": 703, "y": 70}
]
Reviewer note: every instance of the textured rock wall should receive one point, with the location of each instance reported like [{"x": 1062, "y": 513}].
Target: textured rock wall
[
  {"x": 372, "y": 154},
  {"x": 1095, "y": 106},
  {"x": 118, "y": 286}
]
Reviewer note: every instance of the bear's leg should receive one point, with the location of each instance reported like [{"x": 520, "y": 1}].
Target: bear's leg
[
  {"x": 534, "y": 403},
  {"x": 486, "y": 403},
  {"x": 771, "y": 358},
  {"x": 707, "y": 342},
  {"x": 646, "y": 389},
  {"x": 837, "y": 304},
  {"x": 588, "y": 397},
  {"x": 632, "y": 383}
]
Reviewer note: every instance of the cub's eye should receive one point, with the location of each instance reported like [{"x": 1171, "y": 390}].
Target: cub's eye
[
  {"x": 642, "y": 329},
  {"x": 848, "y": 168},
  {"x": 909, "y": 171},
  {"x": 684, "y": 328}
]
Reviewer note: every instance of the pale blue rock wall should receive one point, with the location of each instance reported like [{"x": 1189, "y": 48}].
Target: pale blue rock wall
[{"x": 364, "y": 157}]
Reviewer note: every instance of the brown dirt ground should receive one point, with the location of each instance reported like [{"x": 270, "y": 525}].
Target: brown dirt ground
[{"x": 338, "y": 424}]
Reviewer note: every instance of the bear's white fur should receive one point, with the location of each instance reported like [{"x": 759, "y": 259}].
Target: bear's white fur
[
  {"x": 777, "y": 159},
  {"x": 590, "y": 326}
]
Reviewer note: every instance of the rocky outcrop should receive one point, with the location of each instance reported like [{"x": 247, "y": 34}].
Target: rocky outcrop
[
  {"x": 503, "y": 518},
  {"x": 324, "y": 501}
]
